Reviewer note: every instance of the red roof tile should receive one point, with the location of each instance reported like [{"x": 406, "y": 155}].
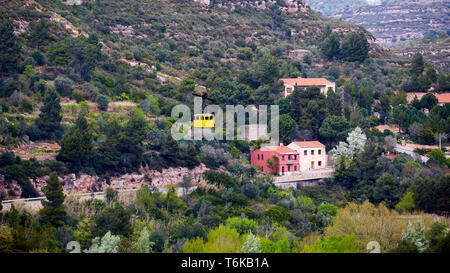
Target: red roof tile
[
  {"x": 306, "y": 81},
  {"x": 443, "y": 98},
  {"x": 308, "y": 144},
  {"x": 279, "y": 149}
]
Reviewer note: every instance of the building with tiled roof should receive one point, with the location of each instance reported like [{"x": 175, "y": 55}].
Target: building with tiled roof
[
  {"x": 443, "y": 98},
  {"x": 285, "y": 160},
  {"x": 312, "y": 154},
  {"x": 291, "y": 83}
]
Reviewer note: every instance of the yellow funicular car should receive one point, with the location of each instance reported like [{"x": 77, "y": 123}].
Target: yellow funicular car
[{"x": 203, "y": 121}]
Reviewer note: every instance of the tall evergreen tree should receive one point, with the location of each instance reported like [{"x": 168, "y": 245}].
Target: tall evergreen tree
[
  {"x": 76, "y": 144},
  {"x": 330, "y": 47},
  {"x": 334, "y": 103},
  {"x": 9, "y": 47},
  {"x": 417, "y": 65},
  {"x": 53, "y": 211},
  {"x": 355, "y": 47},
  {"x": 40, "y": 36},
  {"x": 50, "y": 117}
]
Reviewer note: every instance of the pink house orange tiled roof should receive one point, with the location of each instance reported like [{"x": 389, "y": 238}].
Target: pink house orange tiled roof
[
  {"x": 308, "y": 144},
  {"x": 279, "y": 149},
  {"x": 443, "y": 98},
  {"x": 306, "y": 81}
]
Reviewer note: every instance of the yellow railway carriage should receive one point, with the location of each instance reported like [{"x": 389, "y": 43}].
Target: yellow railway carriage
[{"x": 203, "y": 121}]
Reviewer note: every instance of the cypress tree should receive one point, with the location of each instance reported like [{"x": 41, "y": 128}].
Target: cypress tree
[{"x": 53, "y": 211}]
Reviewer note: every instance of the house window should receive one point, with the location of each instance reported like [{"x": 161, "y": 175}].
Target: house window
[
  {"x": 289, "y": 168},
  {"x": 259, "y": 157},
  {"x": 319, "y": 163},
  {"x": 283, "y": 157},
  {"x": 305, "y": 152},
  {"x": 262, "y": 157},
  {"x": 295, "y": 168},
  {"x": 319, "y": 152},
  {"x": 312, "y": 152}
]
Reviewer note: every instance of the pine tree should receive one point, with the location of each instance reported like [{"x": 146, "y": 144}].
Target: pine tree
[
  {"x": 330, "y": 47},
  {"x": 53, "y": 211},
  {"x": 9, "y": 47},
  {"x": 76, "y": 144},
  {"x": 40, "y": 36},
  {"x": 355, "y": 47},
  {"x": 50, "y": 117},
  {"x": 191, "y": 159}
]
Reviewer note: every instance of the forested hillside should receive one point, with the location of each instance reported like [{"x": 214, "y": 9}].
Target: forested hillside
[{"x": 86, "y": 95}]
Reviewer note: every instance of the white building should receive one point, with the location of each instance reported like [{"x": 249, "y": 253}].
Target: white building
[
  {"x": 312, "y": 154},
  {"x": 322, "y": 83}
]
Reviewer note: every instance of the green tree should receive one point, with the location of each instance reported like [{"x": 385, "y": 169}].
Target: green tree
[
  {"x": 40, "y": 35},
  {"x": 334, "y": 129},
  {"x": 355, "y": 47},
  {"x": 273, "y": 163},
  {"x": 116, "y": 219},
  {"x": 76, "y": 144},
  {"x": 64, "y": 86},
  {"x": 285, "y": 106},
  {"x": 407, "y": 203},
  {"x": 417, "y": 65},
  {"x": 286, "y": 128},
  {"x": 251, "y": 244},
  {"x": 107, "y": 244},
  {"x": 334, "y": 103},
  {"x": 102, "y": 102},
  {"x": 438, "y": 156},
  {"x": 428, "y": 101},
  {"x": 9, "y": 47},
  {"x": 333, "y": 244},
  {"x": 53, "y": 211},
  {"x": 386, "y": 190},
  {"x": 242, "y": 225},
  {"x": 278, "y": 214},
  {"x": 50, "y": 117},
  {"x": 443, "y": 84},
  {"x": 330, "y": 47}
]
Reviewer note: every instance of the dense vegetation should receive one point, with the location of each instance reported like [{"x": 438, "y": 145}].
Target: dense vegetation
[{"x": 100, "y": 79}]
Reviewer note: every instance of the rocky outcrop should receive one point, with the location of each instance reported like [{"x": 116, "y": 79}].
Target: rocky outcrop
[{"x": 92, "y": 183}]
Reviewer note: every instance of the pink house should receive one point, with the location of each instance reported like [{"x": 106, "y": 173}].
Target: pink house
[{"x": 285, "y": 160}]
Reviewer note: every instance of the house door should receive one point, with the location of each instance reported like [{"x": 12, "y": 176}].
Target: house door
[
  {"x": 282, "y": 170},
  {"x": 312, "y": 164}
]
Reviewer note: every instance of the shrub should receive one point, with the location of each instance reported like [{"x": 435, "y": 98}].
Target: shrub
[
  {"x": 64, "y": 86},
  {"x": 102, "y": 102},
  {"x": 242, "y": 225}
]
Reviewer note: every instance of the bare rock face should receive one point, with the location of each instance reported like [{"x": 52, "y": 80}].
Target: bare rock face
[{"x": 88, "y": 183}]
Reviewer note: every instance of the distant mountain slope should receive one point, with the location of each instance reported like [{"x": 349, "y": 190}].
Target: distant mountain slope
[{"x": 400, "y": 20}]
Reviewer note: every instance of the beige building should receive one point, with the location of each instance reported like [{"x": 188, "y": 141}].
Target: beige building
[
  {"x": 322, "y": 83},
  {"x": 312, "y": 154}
]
